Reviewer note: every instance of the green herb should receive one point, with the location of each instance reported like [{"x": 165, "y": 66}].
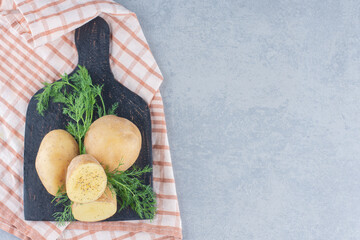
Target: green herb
[
  {"x": 113, "y": 108},
  {"x": 132, "y": 191},
  {"x": 79, "y": 97},
  {"x": 65, "y": 216}
]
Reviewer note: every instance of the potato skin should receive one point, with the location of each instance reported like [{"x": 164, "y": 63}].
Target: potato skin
[
  {"x": 113, "y": 140},
  {"x": 98, "y": 210},
  {"x": 56, "y": 151},
  {"x": 90, "y": 185}
]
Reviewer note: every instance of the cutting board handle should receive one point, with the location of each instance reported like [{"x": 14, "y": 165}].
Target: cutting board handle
[{"x": 92, "y": 43}]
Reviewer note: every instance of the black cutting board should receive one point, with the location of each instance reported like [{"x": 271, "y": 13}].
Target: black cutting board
[{"x": 92, "y": 43}]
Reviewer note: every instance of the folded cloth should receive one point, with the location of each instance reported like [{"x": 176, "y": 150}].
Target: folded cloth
[{"x": 37, "y": 45}]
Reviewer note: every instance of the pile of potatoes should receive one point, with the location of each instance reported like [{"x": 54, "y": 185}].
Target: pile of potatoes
[{"x": 111, "y": 142}]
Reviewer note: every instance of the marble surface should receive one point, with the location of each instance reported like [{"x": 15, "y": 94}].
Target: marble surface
[{"x": 262, "y": 100}]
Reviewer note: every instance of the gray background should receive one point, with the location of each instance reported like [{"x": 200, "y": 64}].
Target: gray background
[{"x": 263, "y": 112}]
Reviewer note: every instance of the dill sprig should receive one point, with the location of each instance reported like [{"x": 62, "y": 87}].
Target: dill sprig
[
  {"x": 131, "y": 191},
  {"x": 66, "y": 215},
  {"x": 79, "y": 97}
]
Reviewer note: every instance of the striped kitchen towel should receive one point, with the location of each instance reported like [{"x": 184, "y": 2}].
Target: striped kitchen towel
[{"x": 37, "y": 45}]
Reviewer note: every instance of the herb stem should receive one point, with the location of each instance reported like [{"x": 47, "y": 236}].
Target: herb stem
[
  {"x": 103, "y": 104},
  {"x": 79, "y": 138},
  {"x": 123, "y": 186},
  {"x": 71, "y": 85}
]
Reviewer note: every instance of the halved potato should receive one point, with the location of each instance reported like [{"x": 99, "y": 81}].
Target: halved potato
[
  {"x": 98, "y": 210},
  {"x": 85, "y": 180},
  {"x": 112, "y": 141},
  {"x": 56, "y": 151}
]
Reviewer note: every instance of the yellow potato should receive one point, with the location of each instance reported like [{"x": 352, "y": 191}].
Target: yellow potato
[
  {"x": 85, "y": 179},
  {"x": 112, "y": 141},
  {"x": 56, "y": 151},
  {"x": 98, "y": 210}
]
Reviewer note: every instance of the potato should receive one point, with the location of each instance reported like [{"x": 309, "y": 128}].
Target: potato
[
  {"x": 56, "y": 151},
  {"x": 98, "y": 210},
  {"x": 85, "y": 179},
  {"x": 112, "y": 141}
]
